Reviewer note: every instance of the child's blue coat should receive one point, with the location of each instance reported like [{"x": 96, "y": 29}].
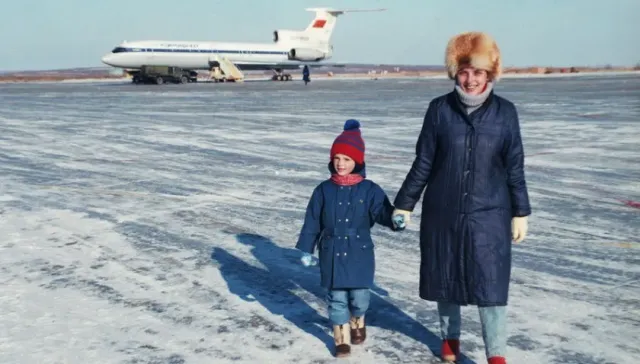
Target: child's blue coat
[{"x": 338, "y": 222}]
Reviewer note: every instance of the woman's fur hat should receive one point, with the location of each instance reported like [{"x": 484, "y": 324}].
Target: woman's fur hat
[{"x": 476, "y": 49}]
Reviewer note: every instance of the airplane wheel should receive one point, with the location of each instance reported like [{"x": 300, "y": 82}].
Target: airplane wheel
[{"x": 159, "y": 80}]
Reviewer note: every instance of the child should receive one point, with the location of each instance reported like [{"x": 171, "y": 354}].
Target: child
[{"x": 338, "y": 222}]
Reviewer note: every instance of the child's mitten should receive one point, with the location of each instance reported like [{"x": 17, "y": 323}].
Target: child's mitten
[
  {"x": 308, "y": 260},
  {"x": 398, "y": 222}
]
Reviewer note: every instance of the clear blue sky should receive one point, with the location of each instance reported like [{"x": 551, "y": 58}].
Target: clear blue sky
[{"x": 44, "y": 34}]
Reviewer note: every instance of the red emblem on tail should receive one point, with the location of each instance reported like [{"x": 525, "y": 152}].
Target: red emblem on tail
[{"x": 319, "y": 23}]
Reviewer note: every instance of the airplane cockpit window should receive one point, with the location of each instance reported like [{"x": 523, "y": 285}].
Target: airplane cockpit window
[{"x": 118, "y": 50}]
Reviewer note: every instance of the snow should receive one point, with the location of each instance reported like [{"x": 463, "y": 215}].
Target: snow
[{"x": 146, "y": 224}]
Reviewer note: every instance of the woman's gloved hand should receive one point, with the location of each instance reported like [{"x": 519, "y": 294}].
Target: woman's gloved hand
[{"x": 519, "y": 228}]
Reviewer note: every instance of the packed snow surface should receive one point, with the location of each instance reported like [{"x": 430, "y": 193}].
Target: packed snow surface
[{"x": 157, "y": 224}]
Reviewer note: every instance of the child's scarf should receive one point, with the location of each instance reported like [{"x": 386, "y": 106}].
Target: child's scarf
[{"x": 348, "y": 180}]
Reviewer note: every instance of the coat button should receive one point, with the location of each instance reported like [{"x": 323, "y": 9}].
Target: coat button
[
  {"x": 345, "y": 254},
  {"x": 346, "y": 219},
  {"x": 357, "y": 236},
  {"x": 339, "y": 203},
  {"x": 348, "y": 203},
  {"x": 337, "y": 254},
  {"x": 346, "y": 237},
  {"x": 339, "y": 220}
]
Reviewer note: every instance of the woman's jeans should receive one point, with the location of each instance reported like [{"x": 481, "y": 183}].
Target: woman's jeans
[
  {"x": 494, "y": 326},
  {"x": 344, "y": 303}
]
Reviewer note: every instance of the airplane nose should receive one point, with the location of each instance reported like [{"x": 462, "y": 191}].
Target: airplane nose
[{"x": 107, "y": 59}]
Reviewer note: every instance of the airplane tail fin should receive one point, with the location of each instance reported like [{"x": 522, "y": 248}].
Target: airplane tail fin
[
  {"x": 321, "y": 27},
  {"x": 318, "y": 32}
]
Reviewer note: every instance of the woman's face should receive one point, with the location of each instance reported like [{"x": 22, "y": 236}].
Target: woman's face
[{"x": 472, "y": 80}]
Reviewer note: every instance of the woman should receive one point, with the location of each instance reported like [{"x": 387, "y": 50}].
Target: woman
[
  {"x": 470, "y": 157},
  {"x": 305, "y": 74}
]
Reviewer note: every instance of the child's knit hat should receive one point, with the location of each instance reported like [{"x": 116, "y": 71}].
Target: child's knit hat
[{"x": 349, "y": 142}]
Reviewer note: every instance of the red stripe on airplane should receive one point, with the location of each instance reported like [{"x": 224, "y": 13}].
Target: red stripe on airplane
[{"x": 319, "y": 23}]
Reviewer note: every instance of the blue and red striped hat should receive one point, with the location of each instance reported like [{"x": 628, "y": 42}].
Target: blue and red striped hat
[{"x": 349, "y": 142}]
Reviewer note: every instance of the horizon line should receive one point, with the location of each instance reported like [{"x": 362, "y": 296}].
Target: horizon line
[{"x": 336, "y": 64}]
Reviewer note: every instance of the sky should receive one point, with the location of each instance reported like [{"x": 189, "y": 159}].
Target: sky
[{"x": 51, "y": 34}]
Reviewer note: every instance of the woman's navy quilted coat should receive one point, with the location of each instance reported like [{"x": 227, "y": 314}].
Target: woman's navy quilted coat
[{"x": 473, "y": 169}]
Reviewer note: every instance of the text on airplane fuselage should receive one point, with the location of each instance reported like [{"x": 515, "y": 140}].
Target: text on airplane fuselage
[{"x": 176, "y": 45}]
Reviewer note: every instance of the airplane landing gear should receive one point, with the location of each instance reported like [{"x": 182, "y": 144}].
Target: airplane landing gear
[{"x": 279, "y": 76}]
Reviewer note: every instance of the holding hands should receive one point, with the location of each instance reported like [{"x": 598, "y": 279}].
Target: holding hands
[{"x": 401, "y": 218}]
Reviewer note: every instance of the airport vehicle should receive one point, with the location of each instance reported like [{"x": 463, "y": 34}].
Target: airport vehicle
[
  {"x": 163, "y": 74},
  {"x": 291, "y": 49}
]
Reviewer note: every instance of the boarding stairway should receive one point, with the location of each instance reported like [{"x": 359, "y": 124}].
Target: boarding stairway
[{"x": 230, "y": 71}]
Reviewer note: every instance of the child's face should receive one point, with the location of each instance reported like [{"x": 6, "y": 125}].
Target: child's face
[{"x": 343, "y": 164}]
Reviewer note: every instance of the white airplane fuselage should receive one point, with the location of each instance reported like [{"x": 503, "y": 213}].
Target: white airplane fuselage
[{"x": 200, "y": 55}]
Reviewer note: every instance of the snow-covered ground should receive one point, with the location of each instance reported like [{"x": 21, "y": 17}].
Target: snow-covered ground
[
  {"x": 146, "y": 224},
  {"x": 320, "y": 75}
]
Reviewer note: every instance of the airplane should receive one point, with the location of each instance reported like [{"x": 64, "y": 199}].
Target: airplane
[{"x": 291, "y": 49}]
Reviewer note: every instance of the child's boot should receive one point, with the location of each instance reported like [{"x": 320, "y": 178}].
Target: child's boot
[
  {"x": 450, "y": 350},
  {"x": 342, "y": 339},
  {"x": 358, "y": 330},
  {"x": 497, "y": 360}
]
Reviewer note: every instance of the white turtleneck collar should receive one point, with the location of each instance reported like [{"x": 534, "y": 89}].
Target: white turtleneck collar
[{"x": 473, "y": 102}]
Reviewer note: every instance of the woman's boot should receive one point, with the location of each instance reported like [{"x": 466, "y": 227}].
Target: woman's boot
[
  {"x": 342, "y": 339},
  {"x": 358, "y": 330},
  {"x": 450, "y": 350}
]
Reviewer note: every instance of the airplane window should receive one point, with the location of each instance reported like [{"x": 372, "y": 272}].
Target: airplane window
[{"x": 118, "y": 50}]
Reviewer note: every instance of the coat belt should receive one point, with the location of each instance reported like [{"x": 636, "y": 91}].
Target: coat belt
[{"x": 327, "y": 233}]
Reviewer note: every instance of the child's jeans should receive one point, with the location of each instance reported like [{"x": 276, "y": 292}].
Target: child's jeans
[
  {"x": 494, "y": 326},
  {"x": 344, "y": 303}
]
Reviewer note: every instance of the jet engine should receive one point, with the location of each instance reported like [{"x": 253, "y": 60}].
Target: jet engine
[{"x": 305, "y": 54}]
